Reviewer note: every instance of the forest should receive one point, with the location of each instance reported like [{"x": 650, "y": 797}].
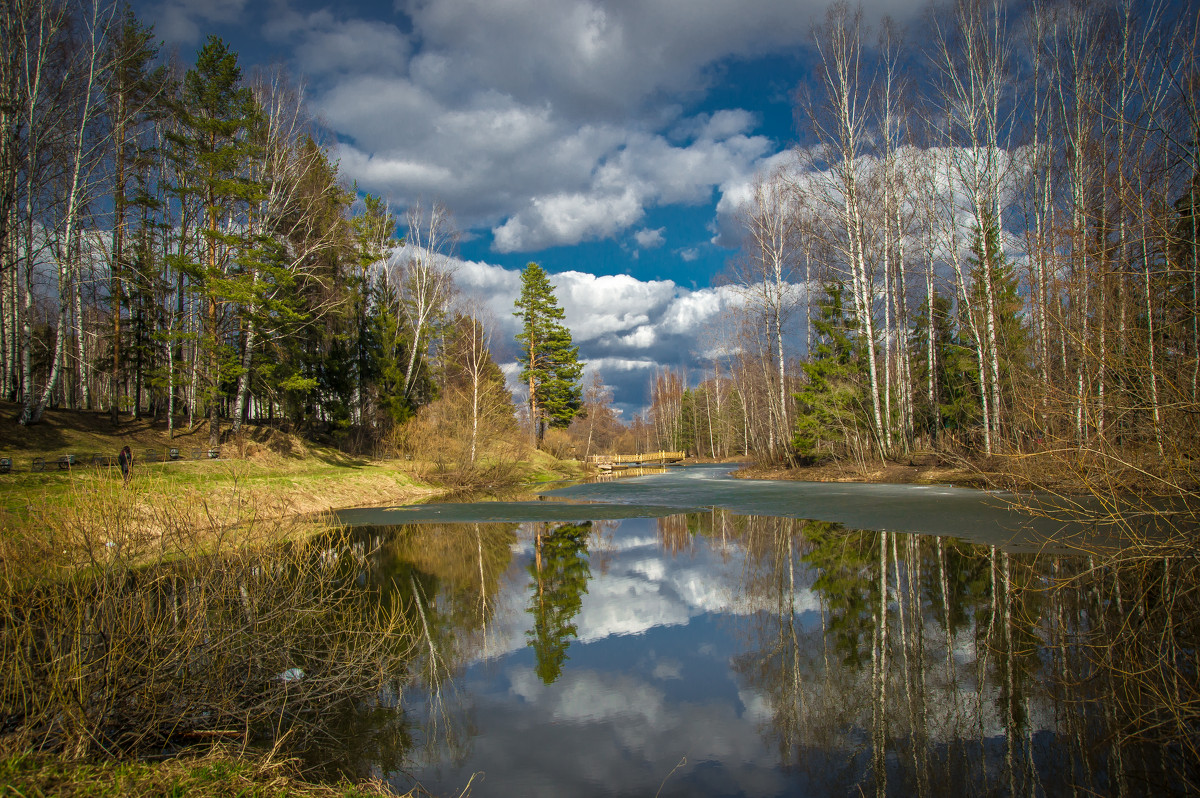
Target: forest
[
  {"x": 982, "y": 245},
  {"x": 177, "y": 243}
]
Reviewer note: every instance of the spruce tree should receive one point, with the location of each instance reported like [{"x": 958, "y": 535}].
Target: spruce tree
[
  {"x": 831, "y": 402},
  {"x": 955, "y": 405},
  {"x": 550, "y": 365}
]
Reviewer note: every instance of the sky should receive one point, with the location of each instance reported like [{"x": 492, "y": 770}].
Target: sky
[{"x": 610, "y": 141}]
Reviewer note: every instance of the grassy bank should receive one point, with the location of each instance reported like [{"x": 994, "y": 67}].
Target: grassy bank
[
  {"x": 159, "y": 614},
  {"x": 274, "y": 472},
  {"x": 118, "y": 644},
  {"x": 217, "y": 773}
]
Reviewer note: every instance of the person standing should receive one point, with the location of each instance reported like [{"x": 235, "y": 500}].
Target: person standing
[{"x": 125, "y": 461}]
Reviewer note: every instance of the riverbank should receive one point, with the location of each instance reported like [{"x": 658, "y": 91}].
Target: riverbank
[
  {"x": 264, "y": 486},
  {"x": 217, "y": 773},
  {"x": 273, "y": 472},
  {"x": 917, "y": 470},
  {"x": 1122, "y": 481}
]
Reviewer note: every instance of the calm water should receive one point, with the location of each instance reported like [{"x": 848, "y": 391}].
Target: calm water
[{"x": 690, "y": 634}]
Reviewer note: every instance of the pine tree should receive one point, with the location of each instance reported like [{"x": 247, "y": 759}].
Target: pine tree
[
  {"x": 560, "y": 574},
  {"x": 217, "y": 113},
  {"x": 549, "y": 363}
]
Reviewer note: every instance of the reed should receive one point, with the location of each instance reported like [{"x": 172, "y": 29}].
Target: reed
[{"x": 127, "y": 630}]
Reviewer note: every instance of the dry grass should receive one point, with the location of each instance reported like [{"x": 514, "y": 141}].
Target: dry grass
[
  {"x": 114, "y": 641},
  {"x": 219, "y": 772}
]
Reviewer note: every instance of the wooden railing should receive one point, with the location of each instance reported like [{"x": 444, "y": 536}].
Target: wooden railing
[{"x": 607, "y": 461}]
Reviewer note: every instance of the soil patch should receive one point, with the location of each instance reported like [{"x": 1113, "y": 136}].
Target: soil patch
[{"x": 916, "y": 470}]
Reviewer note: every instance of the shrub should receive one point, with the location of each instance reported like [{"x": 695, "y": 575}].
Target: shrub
[{"x": 114, "y": 640}]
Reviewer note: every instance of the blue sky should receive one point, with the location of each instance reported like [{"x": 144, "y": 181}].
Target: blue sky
[{"x": 597, "y": 138}]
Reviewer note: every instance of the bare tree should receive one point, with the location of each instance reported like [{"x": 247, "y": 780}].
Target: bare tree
[
  {"x": 74, "y": 185},
  {"x": 972, "y": 58},
  {"x": 840, "y": 122},
  {"x": 765, "y": 277},
  {"x": 426, "y": 278}
]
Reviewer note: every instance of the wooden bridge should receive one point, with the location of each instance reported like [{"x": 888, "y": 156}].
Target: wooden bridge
[{"x": 608, "y": 462}]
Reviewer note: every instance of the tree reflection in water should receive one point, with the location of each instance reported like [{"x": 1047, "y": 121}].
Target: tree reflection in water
[
  {"x": 904, "y": 664},
  {"x": 888, "y": 663},
  {"x": 560, "y": 574}
]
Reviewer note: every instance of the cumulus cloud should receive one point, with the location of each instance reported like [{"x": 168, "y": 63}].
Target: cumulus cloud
[
  {"x": 650, "y": 239},
  {"x": 625, "y": 328},
  {"x": 950, "y": 170},
  {"x": 549, "y": 123}
]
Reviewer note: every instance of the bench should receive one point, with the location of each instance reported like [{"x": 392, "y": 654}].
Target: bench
[
  {"x": 37, "y": 464},
  {"x": 5, "y": 465},
  {"x": 66, "y": 461}
]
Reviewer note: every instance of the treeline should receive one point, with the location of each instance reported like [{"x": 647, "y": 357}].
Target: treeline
[
  {"x": 987, "y": 245},
  {"x": 177, "y": 242}
]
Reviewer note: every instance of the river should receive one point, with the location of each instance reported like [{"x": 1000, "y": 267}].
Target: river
[{"x": 687, "y": 633}]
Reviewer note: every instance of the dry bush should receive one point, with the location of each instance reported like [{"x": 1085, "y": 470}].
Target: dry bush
[
  {"x": 450, "y": 445},
  {"x": 558, "y": 443},
  {"x": 115, "y": 641},
  {"x": 1133, "y": 612}
]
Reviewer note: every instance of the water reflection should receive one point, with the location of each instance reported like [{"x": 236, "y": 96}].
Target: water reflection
[
  {"x": 774, "y": 656},
  {"x": 560, "y": 578}
]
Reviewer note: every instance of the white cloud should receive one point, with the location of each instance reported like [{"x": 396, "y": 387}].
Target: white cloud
[
  {"x": 551, "y": 122},
  {"x": 950, "y": 171},
  {"x": 649, "y": 239},
  {"x": 568, "y": 219},
  {"x": 641, "y": 338},
  {"x": 624, "y": 327}
]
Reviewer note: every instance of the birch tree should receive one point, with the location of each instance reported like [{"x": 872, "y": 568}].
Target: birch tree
[
  {"x": 840, "y": 122},
  {"x": 766, "y": 280},
  {"x": 972, "y": 59},
  {"x": 74, "y": 190},
  {"x": 427, "y": 281}
]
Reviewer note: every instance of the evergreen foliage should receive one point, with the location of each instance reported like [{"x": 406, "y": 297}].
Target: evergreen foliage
[
  {"x": 560, "y": 574},
  {"x": 549, "y": 362},
  {"x": 829, "y": 406},
  {"x": 955, "y": 405},
  {"x": 211, "y": 149}
]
